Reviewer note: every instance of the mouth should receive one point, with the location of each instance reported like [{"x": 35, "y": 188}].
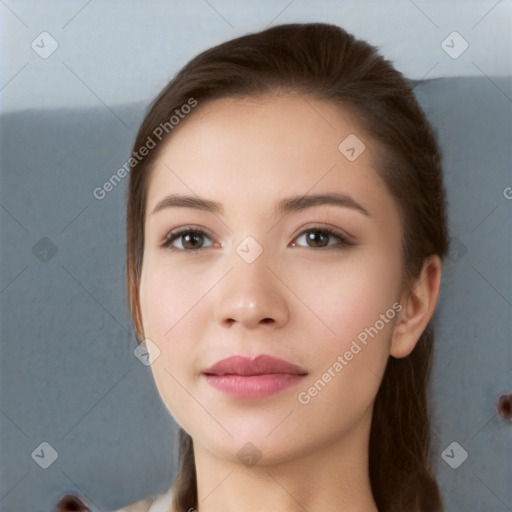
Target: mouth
[{"x": 253, "y": 377}]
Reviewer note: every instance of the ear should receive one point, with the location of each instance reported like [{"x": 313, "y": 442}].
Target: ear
[{"x": 418, "y": 306}]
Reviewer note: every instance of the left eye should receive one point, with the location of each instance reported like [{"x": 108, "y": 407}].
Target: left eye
[{"x": 322, "y": 237}]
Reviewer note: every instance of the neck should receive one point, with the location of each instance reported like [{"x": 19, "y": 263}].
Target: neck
[{"x": 334, "y": 476}]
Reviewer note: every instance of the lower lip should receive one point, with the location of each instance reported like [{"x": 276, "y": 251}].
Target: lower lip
[{"x": 253, "y": 386}]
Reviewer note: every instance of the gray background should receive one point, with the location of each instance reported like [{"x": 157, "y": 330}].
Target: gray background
[{"x": 68, "y": 373}]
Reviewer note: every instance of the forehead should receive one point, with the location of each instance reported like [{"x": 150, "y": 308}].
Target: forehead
[{"x": 248, "y": 149}]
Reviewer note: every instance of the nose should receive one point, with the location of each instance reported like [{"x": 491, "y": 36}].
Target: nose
[{"x": 251, "y": 295}]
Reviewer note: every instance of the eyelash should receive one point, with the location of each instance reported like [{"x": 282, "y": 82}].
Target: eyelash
[{"x": 176, "y": 234}]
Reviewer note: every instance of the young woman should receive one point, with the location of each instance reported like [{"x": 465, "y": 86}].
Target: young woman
[{"x": 285, "y": 236}]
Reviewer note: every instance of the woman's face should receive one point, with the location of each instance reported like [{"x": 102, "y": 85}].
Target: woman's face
[{"x": 252, "y": 271}]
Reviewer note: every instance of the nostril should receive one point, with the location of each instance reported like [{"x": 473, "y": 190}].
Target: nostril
[{"x": 71, "y": 503}]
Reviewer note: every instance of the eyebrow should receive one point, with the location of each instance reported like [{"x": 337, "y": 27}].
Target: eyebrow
[{"x": 287, "y": 205}]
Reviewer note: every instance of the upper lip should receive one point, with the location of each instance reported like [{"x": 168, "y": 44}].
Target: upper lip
[{"x": 259, "y": 365}]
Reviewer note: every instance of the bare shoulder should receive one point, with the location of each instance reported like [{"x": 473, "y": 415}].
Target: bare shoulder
[{"x": 160, "y": 503}]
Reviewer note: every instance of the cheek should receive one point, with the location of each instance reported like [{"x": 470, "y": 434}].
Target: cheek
[
  {"x": 171, "y": 301},
  {"x": 351, "y": 296},
  {"x": 165, "y": 299},
  {"x": 167, "y": 296},
  {"x": 347, "y": 365},
  {"x": 355, "y": 306}
]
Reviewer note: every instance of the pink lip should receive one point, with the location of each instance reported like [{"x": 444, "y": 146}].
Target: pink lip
[{"x": 256, "y": 377}]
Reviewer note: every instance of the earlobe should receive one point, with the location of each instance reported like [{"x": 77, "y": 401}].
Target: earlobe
[{"x": 419, "y": 303}]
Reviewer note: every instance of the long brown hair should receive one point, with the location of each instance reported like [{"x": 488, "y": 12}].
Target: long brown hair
[{"x": 325, "y": 62}]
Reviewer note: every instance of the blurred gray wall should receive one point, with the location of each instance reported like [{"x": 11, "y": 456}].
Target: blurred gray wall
[{"x": 119, "y": 52}]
